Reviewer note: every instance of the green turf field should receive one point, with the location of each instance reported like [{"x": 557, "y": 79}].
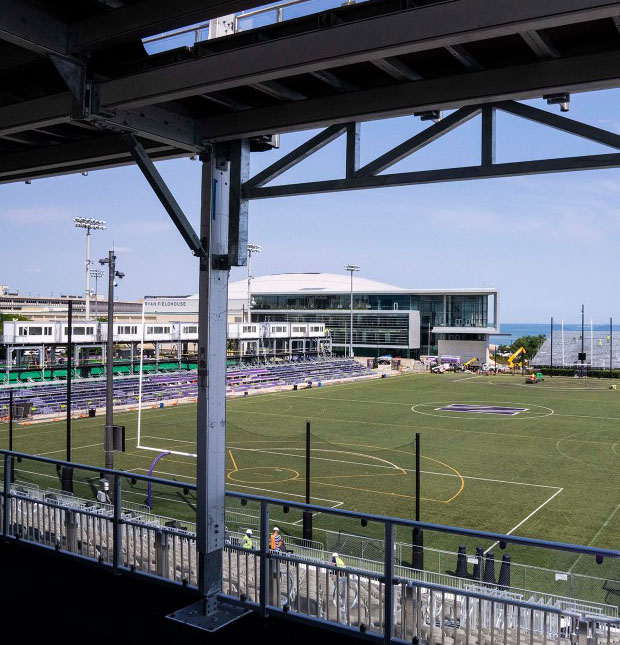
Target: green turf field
[{"x": 551, "y": 471}]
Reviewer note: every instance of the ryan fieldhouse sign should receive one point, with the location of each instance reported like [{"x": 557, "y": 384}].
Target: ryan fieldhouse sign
[{"x": 171, "y": 305}]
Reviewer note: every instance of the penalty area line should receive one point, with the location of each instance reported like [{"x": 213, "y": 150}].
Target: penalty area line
[
  {"x": 595, "y": 536},
  {"x": 523, "y": 521}
]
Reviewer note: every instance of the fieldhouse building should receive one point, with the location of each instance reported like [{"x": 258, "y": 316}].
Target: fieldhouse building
[{"x": 386, "y": 319}]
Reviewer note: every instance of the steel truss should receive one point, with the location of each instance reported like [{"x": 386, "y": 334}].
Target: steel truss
[{"x": 369, "y": 175}]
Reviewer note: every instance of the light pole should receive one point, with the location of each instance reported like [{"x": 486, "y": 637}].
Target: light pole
[
  {"x": 109, "y": 363},
  {"x": 96, "y": 273},
  {"x": 351, "y": 268},
  {"x": 95, "y": 225},
  {"x": 252, "y": 248}
]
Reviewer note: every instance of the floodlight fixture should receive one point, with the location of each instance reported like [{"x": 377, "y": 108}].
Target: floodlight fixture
[
  {"x": 89, "y": 224},
  {"x": 561, "y": 98},
  {"x": 429, "y": 115}
]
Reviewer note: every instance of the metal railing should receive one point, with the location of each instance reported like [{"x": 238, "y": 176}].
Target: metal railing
[{"x": 391, "y": 603}]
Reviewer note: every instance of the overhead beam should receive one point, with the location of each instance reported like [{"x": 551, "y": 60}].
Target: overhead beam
[
  {"x": 592, "y": 72},
  {"x": 296, "y": 156},
  {"x": 419, "y": 140},
  {"x": 559, "y": 122},
  {"x": 154, "y": 123},
  {"x": 160, "y": 188},
  {"x": 32, "y": 29},
  {"x": 103, "y": 151},
  {"x": 467, "y": 60},
  {"x": 514, "y": 169},
  {"x": 37, "y": 113},
  {"x": 540, "y": 44},
  {"x": 278, "y": 91},
  {"x": 396, "y": 69},
  {"x": 441, "y": 25},
  {"x": 334, "y": 81}
]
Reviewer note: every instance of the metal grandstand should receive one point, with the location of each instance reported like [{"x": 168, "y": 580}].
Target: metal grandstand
[
  {"x": 602, "y": 350},
  {"x": 79, "y": 91}
]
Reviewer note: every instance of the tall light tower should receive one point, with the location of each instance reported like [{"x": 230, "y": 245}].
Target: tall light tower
[
  {"x": 96, "y": 273},
  {"x": 351, "y": 268},
  {"x": 252, "y": 248},
  {"x": 94, "y": 225}
]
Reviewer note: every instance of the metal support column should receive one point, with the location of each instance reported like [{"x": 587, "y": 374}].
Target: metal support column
[
  {"x": 209, "y": 613},
  {"x": 109, "y": 367}
]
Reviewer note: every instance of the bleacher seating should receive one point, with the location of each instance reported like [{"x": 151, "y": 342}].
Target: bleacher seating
[
  {"x": 51, "y": 399},
  {"x": 596, "y": 345}
]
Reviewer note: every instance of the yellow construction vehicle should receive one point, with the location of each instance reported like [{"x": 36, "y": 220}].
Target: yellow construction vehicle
[
  {"x": 469, "y": 362},
  {"x": 521, "y": 350}
]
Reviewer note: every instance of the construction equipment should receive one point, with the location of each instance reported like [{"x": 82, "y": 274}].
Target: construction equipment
[
  {"x": 470, "y": 361},
  {"x": 521, "y": 350}
]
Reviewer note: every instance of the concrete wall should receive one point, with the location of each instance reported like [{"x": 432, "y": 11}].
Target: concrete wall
[{"x": 466, "y": 349}]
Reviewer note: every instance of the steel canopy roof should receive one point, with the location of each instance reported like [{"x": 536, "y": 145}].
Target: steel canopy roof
[{"x": 75, "y": 77}]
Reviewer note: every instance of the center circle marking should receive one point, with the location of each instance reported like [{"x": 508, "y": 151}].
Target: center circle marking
[{"x": 533, "y": 411}]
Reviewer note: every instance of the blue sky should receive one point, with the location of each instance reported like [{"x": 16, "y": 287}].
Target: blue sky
[{"x": 548, "y": 243}]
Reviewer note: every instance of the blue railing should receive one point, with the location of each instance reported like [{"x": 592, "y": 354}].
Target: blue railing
[{"x": 389, "y": 602}]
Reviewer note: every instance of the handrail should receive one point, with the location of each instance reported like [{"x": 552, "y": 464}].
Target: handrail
[{"x": 440, "y": 528}]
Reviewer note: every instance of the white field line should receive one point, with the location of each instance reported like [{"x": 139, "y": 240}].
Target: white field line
[
  {"x": 318, "y": 513},
  {"x": 409, "y": 470},
  {"x": 278, "y": 492},
  {"x": 595, "y": 536},
  {"x": 53, "y": 452},
  {"x": 463, "y": 378},
  {"x": 150, "y": 436},
  {"x": 391, "y": 466},
  {"x": 523, "y": 521},
  {"x": 163, "y": 472}
]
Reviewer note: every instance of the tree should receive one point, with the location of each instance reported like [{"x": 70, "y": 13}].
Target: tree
[
  {"x": 531, "y": 344},
  {"x": 4, "y": 317}
]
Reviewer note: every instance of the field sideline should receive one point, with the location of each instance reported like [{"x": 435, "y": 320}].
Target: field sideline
[{"x": 551, "y": 470}]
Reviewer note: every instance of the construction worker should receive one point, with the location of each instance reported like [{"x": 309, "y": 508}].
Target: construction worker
[
  {"x": 337, "y": 560},
  {"x": 277, "y": 541},
  {"x": 247, "y": 540}
]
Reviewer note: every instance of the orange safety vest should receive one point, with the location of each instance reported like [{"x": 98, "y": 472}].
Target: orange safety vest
[{"x": 276, "y": 545}]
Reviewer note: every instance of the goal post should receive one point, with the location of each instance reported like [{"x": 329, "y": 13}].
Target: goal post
[{"x": 180, "y": 308}]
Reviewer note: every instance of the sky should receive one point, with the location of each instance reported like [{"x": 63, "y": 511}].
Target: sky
[{"x": 548, "y": 242}]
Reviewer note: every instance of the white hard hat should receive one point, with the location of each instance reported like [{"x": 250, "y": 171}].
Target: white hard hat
[
  {"x": 248, "y": 532},
  {"x": 334, "y": 555},
  {"x": 275, "y": 528}
]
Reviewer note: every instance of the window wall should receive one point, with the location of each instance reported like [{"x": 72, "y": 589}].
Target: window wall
[{"x": 460, "y": 310}]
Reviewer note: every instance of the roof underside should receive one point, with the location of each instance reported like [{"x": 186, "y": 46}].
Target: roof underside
[{"x": 74, "y": 75}]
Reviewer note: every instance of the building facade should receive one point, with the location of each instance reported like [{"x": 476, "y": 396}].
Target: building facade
[{"x": 386, "y": 319}]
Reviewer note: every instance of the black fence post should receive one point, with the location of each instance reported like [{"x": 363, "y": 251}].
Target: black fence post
[{"x": 307, "y": 515}]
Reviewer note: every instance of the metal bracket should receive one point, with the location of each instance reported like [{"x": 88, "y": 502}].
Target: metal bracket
[
  {"x": 220, "y": 262},
  {"x": 166, "y": 198},
  {"x": 195, "y": 615}
]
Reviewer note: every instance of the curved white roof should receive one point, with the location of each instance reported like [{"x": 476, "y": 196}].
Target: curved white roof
[{"x": 310, "y": 282}]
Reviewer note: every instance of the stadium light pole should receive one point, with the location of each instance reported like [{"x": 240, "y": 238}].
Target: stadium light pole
[
  {"x": 583, "y": 361},
  {"x": 96, "y": 273},
  {"x": 352, "y": 268},
  {"x": 90, "y": 225},
  {"x": 252, "y": 248},
  {"x": 109, "y": 394}
]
